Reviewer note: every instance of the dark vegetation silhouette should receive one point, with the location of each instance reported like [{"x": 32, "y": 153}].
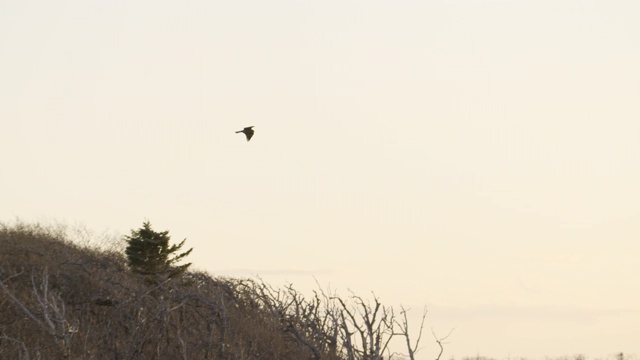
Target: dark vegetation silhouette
[
  {"x": 149, "y": 253},
  {"x": 61, "y": 300}
]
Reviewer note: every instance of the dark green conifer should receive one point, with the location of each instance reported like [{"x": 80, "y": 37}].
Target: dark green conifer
[{"x": 149, "y": 253}]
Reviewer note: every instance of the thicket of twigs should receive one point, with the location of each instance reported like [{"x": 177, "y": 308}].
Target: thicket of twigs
[{"x": 59, "y": 300}]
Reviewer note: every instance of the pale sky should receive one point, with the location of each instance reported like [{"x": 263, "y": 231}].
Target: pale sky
[{"x": 479, "y": 158}]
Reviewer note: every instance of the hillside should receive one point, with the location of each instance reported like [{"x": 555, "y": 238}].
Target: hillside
[{"x": 59, "y": 300}]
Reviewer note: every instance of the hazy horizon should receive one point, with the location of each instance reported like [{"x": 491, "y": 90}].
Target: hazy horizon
[{"x": 479, "y": 158}]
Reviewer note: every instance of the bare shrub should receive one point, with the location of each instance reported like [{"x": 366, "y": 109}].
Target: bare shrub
[{"x": 61, "y": 300}]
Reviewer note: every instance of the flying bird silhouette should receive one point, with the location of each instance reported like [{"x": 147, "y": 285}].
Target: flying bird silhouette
[{"x": 248, "y": 131}]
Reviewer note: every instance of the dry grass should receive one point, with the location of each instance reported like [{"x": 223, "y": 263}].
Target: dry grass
[{"x": 62, "y": 301}]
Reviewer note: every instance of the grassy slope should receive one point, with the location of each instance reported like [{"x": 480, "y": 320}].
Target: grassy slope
[{"x": 59, "y": 300}]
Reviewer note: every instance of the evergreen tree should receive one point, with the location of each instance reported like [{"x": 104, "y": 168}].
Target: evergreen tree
[{"x": 149, "y": 253}]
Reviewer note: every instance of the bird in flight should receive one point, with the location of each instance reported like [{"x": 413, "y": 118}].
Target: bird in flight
[{"x": 248, "y": 131}]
